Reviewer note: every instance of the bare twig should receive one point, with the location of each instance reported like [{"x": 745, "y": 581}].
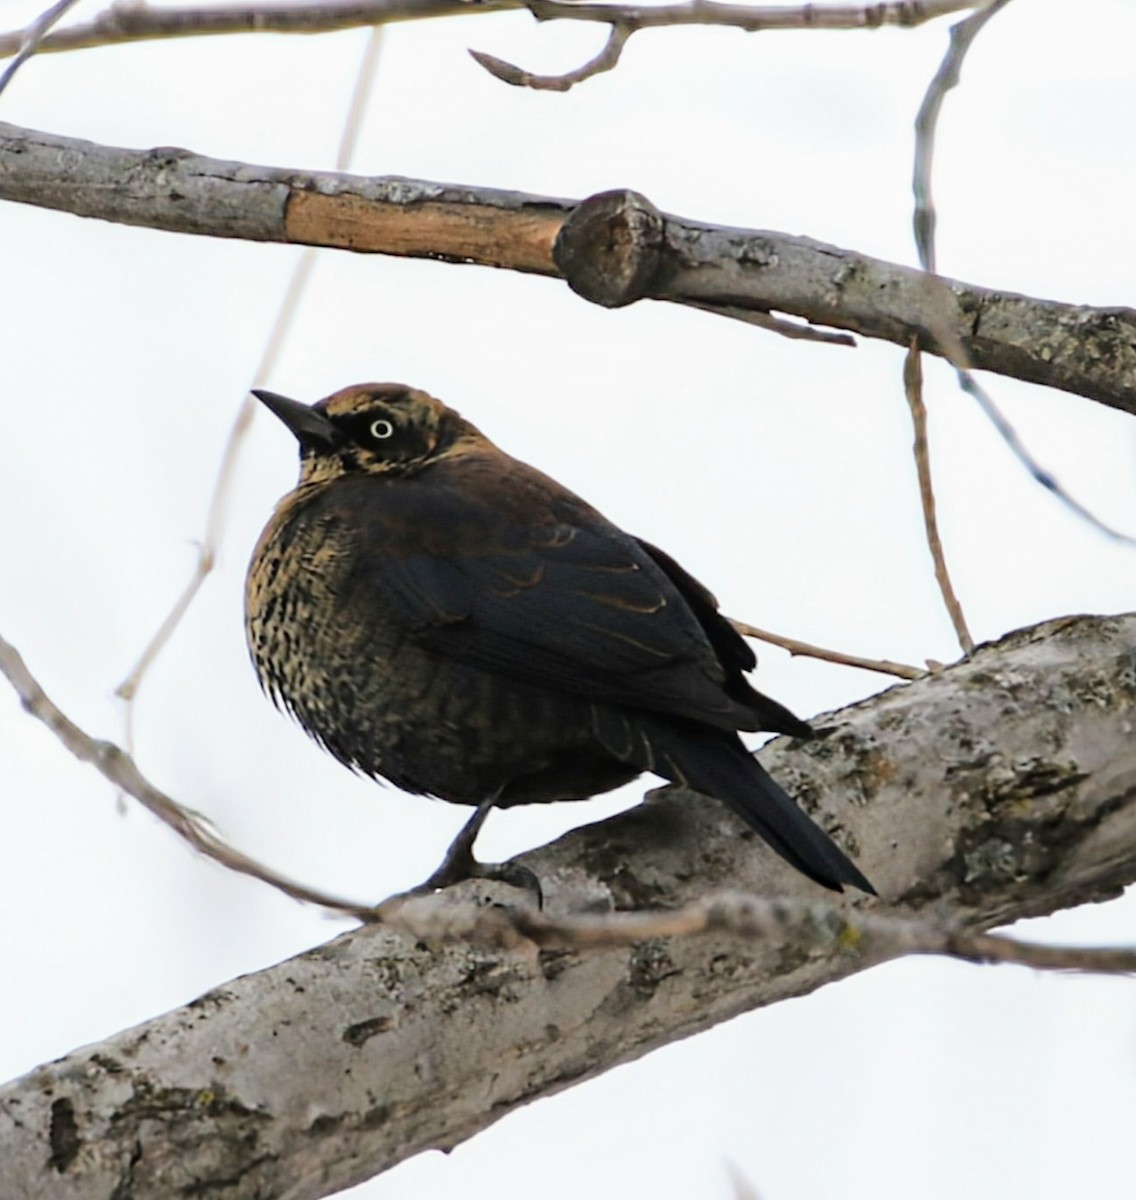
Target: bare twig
[
  {"x": 765, "y": 320},
  {"x": 606, "y": 60},
  {"x": 124, "y": 22},
  {"x": 1041, "y": 475},
  {"x": 757, "y": 18},
  {"x": 805, "y": 924},
  {"x": 120, "y": 769},
  {"x": 207, "y": 549},
  {"x": 926, "y": 124},
  {"x": 913, "y": 388},
  {"x": 805, "y": 649},
  {"x": 32, "y": 38},
  {"x": 628, "y": 19},
  {"x": 924, "y": 221},
  {"x": 281, "y": 328}
]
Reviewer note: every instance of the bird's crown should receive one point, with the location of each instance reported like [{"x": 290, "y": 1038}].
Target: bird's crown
[{"x": 376, "y": 428}]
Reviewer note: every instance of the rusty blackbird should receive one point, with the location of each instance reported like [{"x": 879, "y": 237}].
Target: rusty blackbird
[{"x": 441, "y": 615}]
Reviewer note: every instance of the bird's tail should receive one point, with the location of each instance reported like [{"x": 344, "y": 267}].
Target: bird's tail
[{"x": 715, "y": 762}]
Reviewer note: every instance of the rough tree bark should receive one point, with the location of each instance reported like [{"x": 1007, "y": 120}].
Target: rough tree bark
[{"x": 1002, "y": 787}]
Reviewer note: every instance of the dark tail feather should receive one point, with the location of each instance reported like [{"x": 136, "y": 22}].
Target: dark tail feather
[
  {"x": 772, "y": 812},
  {"x": 716, "y": 763}
]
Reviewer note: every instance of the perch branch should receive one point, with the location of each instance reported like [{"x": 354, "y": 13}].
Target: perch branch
[{"x": 1002, "y": 787}]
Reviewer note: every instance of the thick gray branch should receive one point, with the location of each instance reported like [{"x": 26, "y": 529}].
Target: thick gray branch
[
  {"x": 613, "y": 249},
  {"x": 1000, "y": 788}
]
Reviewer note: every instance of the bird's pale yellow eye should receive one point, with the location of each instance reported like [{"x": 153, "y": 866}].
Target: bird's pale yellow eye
[{"x": 381, "y": 429}]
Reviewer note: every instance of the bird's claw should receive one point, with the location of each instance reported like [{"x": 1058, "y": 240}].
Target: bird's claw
[
  {"x": 512, "y": 873},
  {"x": 457, "y": 868}
]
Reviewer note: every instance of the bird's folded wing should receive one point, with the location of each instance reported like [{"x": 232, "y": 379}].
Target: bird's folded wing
[{"x": 570, "y": 602}]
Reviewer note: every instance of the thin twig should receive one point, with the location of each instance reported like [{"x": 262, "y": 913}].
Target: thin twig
[
  {"x": 1041, "y": 475},
  {"x": 766, "y": 320},
  {"x": 805, "y": 924},
  {"x": 805, "y": 649},
  {"x": 913, "y": 389},
  {"x": 281, "y": 329},
  {"x": 606, "y": 60},
  {"x": 124, "y": 22},
  {"x": 924, "y": 221},
  {"x": 927, "y": 121},
  {"x": 120, "y": 769},
  {"x": 758, "y": 18},
  {"x": 219, "y": 500},
  {"x": 32, "y": 38}
]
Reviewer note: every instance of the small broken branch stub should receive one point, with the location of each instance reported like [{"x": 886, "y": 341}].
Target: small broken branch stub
[{"x": 610, "y": 248}]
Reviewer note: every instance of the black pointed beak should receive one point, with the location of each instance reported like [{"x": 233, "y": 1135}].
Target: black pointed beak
[{"x": 311, "y": 427}]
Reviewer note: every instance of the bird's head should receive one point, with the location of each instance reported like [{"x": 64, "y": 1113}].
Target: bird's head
[{"x": 371, "y": 428}]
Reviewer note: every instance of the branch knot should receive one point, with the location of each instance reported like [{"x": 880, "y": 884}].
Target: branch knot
[{"x": 610, "y": 248}]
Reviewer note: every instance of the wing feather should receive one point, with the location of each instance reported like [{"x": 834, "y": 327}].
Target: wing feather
[{"x": 524, "y": 579}]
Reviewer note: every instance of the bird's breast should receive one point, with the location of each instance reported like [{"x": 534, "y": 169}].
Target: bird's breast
[{"x": 329, "y": 647}]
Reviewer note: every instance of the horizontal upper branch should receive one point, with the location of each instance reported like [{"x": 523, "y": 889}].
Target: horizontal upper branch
[
  {"x": 1002, "y": 787},
  {"x": 140, "y": 22},
  {"x": 618, "y": 248}
]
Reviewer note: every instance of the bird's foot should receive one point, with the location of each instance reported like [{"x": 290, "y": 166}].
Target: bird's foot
[
  {"x": 460, "y": 867},
  {"x": 459, "y": 863},
  {"x": 514, "y": 875}
]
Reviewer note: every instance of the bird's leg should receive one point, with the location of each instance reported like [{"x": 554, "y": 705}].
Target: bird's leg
[{"x": 459, "y": 862}]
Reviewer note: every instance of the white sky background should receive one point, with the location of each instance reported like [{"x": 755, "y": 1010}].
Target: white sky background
[{"x": 779, "y": 472}]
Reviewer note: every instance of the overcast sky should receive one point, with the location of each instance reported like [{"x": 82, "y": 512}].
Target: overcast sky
[{"x": 779, "y": 472}]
